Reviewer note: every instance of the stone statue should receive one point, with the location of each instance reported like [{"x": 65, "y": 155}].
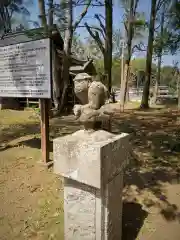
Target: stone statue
[{"x": 92, "y": 95}]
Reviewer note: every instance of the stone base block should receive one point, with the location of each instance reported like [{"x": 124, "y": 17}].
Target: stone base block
[
  {"x": 91, "y": 213},
  {"x": 93, "y": 158},
  {"x": 92, "y": 165}
]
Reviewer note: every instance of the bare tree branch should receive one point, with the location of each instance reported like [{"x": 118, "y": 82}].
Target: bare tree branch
[
  {"x": 101, "y": 16},
  {"x": 84, "y": 12},
  {"x": 99, "y": 2},
  {"x": 159, "y": 4},
  {"x": 156, "y": 28},
  {"x": 92, "y": 5},
  {"x": 96, "y": 37},
  {"x": 76, "y": 3},
  {"x": 83, "y": 3},
  {"x": 135, "y": 7},
  {"x": 100, "y": 23},
  {"x": 94, "y": 28},
  {"x": 139, "y": 47},
  {"x": 125, "y": 26}
]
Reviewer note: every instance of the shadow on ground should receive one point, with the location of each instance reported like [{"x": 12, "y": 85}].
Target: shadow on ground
[
  {"x": 132, "y": 220},
  {"x": 29, "y": 134},
  {"x": 11, "y": 133},
  {"x": 155, "y": 157},
  {"x": 155, "y": 136}
]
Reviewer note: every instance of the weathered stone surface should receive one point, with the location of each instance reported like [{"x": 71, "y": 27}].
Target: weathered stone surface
[
  {"x": 92, "y": 163},
  {"x": 114, "y": 157},
  {"x": 91, "y": 213},
  {"x": 93, "y": 95},
  {"x": 90, "y": 157},
  {"x": 79, "y": 210},
  {"x": 97, "y": 94},
  {"x": 81, "y": 86},
  {"x": 91, "y": 118},
  {"x": 113, "y": 208}
]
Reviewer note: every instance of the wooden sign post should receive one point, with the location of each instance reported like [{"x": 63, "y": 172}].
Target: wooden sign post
[{"x": 44, "y": 107}]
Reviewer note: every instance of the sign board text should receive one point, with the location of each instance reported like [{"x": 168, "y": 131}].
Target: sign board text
[{"x": 25, "y": 70}]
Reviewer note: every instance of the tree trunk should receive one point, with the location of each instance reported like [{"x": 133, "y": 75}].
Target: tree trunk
[
  {"x": 55, "y": 77},
  {"x": 69, "y": 29},
  {"x": 42, "y": 14},
  {"x": 106, "y": 68},
  {"x": 129, "y": 46},
  {"x": 108, "y": 41},
  {"x": 50, "y": 13},
  {"x": 158, "y": 78},
  {"x": 129, "y": 37},
  {"x": 145, "y": 96},
  {"x": 5, "y": 18},
  {"x": 160, "y": 50},
  {"x": 67, "y": 51},
  {"x": 178, "y": 90},
  {"x": 126, "y": 77},
  {"x": 179, "y": 97}
]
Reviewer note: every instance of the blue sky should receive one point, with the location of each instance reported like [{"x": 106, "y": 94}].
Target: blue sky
[{"x": 144, "y": 6}]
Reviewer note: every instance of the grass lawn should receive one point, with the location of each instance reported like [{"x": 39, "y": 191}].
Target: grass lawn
[{"x": 31, "y": 197}]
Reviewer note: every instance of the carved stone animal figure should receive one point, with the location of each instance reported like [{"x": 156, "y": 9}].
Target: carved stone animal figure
[
  {"x": 82, "y": 82},
  {"x": 97, "y": 95},
  {"x": 93, "y": 94},
  {"x": 90, "y": 91}
]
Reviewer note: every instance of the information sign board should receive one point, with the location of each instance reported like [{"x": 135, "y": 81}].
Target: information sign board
[{"x": 25, "y": 70}]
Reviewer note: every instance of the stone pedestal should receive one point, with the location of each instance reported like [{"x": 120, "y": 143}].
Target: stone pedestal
[{"x": 92, "y": 166}]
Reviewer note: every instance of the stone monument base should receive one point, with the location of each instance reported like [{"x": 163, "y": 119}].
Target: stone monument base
[
  {"x": 92, "y": 164},
  {"x": 91, "y": 214}
]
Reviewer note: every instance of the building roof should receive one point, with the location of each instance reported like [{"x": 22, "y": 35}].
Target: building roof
[
  {"x": 74, "y": 60},
  {"x": 81, "y": 76},
  {"x": 86, "y": 67},
  {"x": 30, "y": 35},
  {"x": 79, "y": 66}
]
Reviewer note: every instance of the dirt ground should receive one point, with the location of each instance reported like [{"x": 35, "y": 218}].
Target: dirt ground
[{"x": 31, "y": 197}]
